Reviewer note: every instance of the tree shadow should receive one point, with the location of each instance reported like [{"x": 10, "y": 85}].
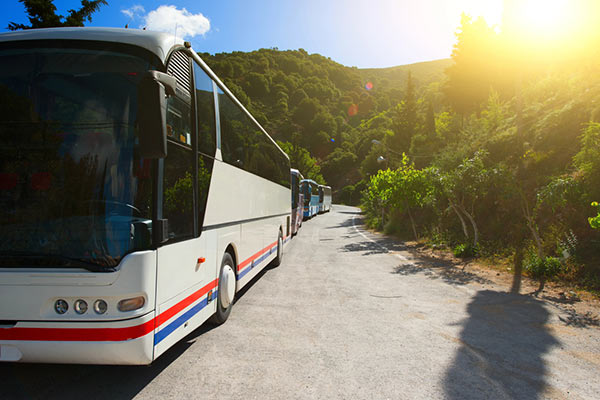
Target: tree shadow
[
  {"x": 576, "y": 320},
  {"x": 435, "y": 268},
  {"x": 502, "y": 345},
  {"x": 366, "y": 248},
  {"x": 349, "y": 223},
  {"x": 358, "y": 212}
]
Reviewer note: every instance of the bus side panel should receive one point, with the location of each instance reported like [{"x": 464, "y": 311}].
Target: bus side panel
[
  {"x": 183, "y": 286},
  {"x": 314, "y": 204},
  {"x": 251, "y": 202}
]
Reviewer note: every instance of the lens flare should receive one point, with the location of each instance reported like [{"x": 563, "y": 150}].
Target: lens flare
[{"x": 352, "y": 110}]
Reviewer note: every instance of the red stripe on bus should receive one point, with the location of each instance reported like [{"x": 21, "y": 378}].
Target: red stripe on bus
[
  {"x": 78, "y": 334},
  {"x": 247, "y": 261},
  {"x": 114, "y": 334},
  {"x": 102, "y": 334},
  {"x": 169, "y": 313}
]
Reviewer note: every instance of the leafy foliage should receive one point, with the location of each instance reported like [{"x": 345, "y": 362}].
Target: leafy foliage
[
  {"x": 42, "y": 14},
  {"x": 595, "y": 221}
]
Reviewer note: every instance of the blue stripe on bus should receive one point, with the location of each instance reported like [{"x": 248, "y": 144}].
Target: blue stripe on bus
[
  {"x": 182, "y": 319},
  {"x": 255, "y": 263}
]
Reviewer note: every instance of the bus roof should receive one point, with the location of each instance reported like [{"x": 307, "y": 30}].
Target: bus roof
[
  {"x": 297, "y": 173},
  {"x": 156, "y": 42}
]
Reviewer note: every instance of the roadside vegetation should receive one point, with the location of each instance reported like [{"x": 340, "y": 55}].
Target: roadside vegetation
[{"x": 509, "y": 165}]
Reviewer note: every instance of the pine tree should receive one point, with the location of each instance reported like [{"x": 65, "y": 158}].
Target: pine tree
[
  {"x": 405, "y": 121},
  {"x": 42, "y": 14}
]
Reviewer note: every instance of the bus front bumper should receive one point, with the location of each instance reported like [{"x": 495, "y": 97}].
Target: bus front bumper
[{"x": 129, "y": 342}]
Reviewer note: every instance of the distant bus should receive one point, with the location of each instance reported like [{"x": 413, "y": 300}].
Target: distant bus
[
  {"x": 324, "y": 199},
  {"x": 297, "y": 200},
  {"x": 127, "y": 219},
  {"x": 310, "y": 190}
]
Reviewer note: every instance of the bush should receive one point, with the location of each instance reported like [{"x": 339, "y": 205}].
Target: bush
[
  {"x": 542, "y": 268},
  {"x": 595, "y": 221},
  {"x": 465, "y": 250}
]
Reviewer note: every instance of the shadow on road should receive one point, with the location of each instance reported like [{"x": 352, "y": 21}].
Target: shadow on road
[
  {"x": 576, "y": 320},
  {"x": 345, "y": 224},
  {"x": 434, "y": 268},
  {"x": 357, "y": 212},
  {"x": 55, "y": 381},
  {"x": 503, "y": 342}
]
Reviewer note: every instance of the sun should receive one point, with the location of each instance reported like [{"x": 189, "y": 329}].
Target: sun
[{"x": 540, "y": 18}]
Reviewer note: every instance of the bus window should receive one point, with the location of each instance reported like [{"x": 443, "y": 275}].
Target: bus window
[
  {"x": 205, "y": 112},
  {"x": 178, "y": 192}
]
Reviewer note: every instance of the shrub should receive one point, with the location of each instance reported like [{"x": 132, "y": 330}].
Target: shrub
[
  {"x": 465, "y": 250},
  {"x": 542, "y": 268},
  {"x": 595, "y": 221}
]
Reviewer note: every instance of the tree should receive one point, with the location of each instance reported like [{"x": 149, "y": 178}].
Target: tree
[
  {"x": 301, "y": 160},
  {"x": 405, "y": 121},
  {"x": 474, "y": 69},
  {"x": 42, "y": 14}
]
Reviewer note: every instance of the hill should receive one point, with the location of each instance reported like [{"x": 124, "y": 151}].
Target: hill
[{"x": 423, "y": 73}]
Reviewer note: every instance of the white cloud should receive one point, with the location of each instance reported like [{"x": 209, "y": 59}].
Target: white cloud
[
  {"x": 134, "y": 11},
  {"x": 181, "y": 22}
]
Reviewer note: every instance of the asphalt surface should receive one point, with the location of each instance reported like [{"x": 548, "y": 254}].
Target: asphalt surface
[{"x": 353, "y": 315}]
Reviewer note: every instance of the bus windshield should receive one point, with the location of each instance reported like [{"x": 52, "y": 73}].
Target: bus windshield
[
  {"x": 73, "y": 189},
  {"x": 306, "y": 192}
]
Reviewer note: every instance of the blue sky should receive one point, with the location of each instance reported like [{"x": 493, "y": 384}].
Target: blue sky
[{"x": 361, "y": 33}]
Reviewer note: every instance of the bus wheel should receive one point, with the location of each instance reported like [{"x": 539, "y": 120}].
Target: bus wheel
[
  {"x": 226, "y": 291},
  {"x": 277, "y": 259}
]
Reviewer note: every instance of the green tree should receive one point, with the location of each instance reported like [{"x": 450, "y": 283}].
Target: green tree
[
  {"x": 405, "y": 120},
  {"x": 474, "y": 69},
  {"x": 42, "y": 14},
  {"x": 301, "y": 160}
]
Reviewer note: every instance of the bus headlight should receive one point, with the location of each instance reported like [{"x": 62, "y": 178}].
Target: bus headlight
[
  {"x": 100, "y": 306},
  {"x": 131, "y": 304},
  {"x": 61, "y": 306},
  {"x": 80, "y": 306}
]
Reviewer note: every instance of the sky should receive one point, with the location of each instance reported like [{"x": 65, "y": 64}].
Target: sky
[{"x": 361, "y": 33}]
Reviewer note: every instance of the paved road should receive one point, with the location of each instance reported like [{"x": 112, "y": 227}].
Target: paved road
[{"x": 352, "y": 315}]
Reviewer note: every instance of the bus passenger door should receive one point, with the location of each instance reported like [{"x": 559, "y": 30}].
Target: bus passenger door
[{"x": 186, "y": 283}]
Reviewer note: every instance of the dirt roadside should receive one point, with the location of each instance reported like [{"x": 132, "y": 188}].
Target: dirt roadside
[{"x": 582, "y": 308}]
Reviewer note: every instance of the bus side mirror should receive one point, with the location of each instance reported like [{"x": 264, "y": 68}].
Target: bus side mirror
[{"x": 152, "y": 113}]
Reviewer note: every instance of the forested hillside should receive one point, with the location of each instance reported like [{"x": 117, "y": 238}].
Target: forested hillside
[
  {"x": 322, "y": 113},
  {"x": 496, "y": 151}
]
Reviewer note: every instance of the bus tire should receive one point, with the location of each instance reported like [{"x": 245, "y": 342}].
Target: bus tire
[
  {"x": 277, "y": 260},
  {"x": 226, "y": 290}
]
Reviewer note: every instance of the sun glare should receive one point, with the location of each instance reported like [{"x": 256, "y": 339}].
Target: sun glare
[{"x": 542, "y": 18}]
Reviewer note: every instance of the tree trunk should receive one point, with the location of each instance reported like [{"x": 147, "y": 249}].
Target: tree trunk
[
  {"x": 540, "y": 288},
  {"x": 412, "y": 222},
  {"x": 516, "y": 282},
  {"x": 531, "y": 226},
  {"x": 536, "y": 237},
  {"x": 462, "y": 220},
  {"x": 473, "y": 224}
]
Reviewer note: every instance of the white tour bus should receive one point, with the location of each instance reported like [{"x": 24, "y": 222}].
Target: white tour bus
[
  {"x": 137, "y": 195},
  {"x": 324, "y": 199}
]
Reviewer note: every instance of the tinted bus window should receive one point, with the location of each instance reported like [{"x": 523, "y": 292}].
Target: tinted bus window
[
  {"x": 245, "y": 145},
  {"x": 178, "y": 192},
  {"x": 205, "y": 112}
]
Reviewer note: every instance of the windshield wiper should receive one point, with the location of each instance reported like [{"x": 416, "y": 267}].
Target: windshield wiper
[{"x": 18, "y": 258}]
